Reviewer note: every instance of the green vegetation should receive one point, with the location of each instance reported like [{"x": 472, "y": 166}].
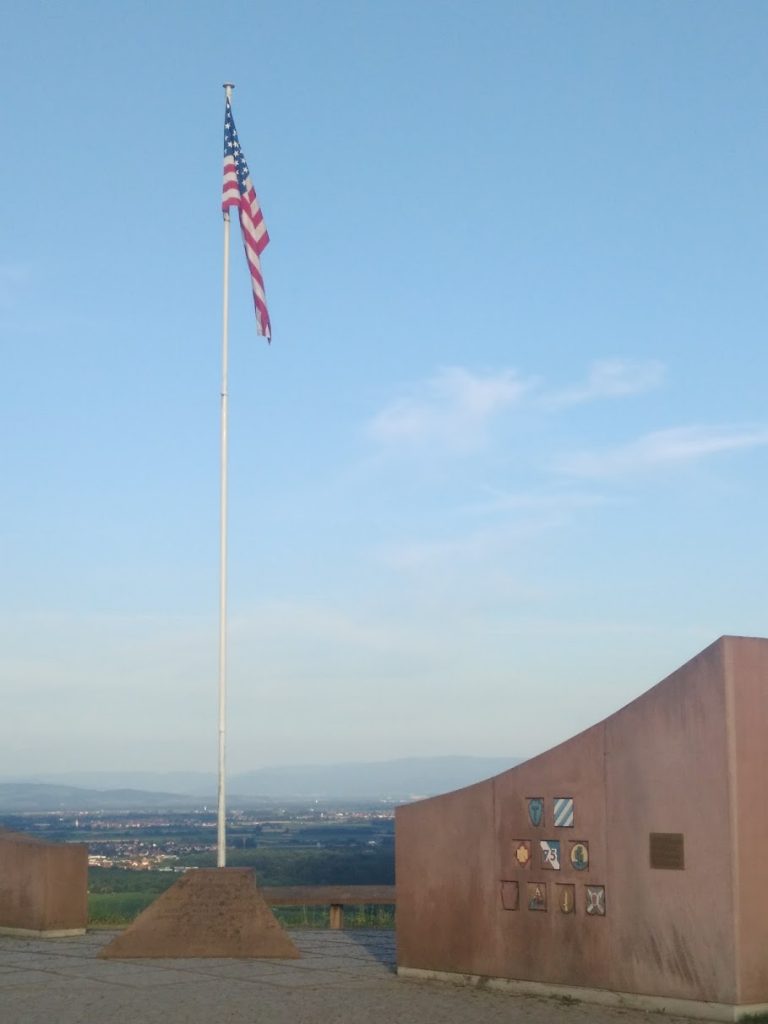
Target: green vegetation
[
  {"x": 325, "y": 866},
  {"x": 117, "y": 895},
  {"x": 119, "y": 881},
  {"x": 117, "y": 907}
]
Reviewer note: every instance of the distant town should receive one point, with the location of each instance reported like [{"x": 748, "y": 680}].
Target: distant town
[{"x": 176, "y": 841}]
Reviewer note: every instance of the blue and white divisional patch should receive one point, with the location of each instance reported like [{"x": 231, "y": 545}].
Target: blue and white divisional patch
[{"x": 564, "y": 811}]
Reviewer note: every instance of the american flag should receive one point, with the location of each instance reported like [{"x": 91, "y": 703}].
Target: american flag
[{"x": 239, "y": 192}]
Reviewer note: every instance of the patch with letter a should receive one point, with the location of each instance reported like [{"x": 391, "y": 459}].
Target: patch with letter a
[{"x": 537, "y": 896}]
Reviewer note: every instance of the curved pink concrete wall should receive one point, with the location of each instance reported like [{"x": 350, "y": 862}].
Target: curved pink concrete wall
[{"x": 689, "y": 757}]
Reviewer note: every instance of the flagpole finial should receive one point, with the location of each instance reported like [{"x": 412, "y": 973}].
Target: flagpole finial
[{"x": 228, "y": 87}]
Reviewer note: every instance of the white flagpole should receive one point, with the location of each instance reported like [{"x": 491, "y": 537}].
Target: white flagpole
[{"x": 221, "y": 840}]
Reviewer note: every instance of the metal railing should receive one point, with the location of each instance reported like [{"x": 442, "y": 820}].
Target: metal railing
[{"x": 334, "y": 896}]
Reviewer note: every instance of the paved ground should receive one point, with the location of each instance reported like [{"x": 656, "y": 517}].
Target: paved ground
[{"x": 342, "y": 978}]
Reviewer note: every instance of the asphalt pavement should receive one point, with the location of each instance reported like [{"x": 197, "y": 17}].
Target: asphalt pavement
[{"x": 343, "y": 977}]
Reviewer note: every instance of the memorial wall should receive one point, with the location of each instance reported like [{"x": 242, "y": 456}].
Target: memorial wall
[
  {"x": 43, "y": 886},
  {"x": 631, "y": 859}
]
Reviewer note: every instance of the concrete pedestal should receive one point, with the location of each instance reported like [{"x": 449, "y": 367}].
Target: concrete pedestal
[{"x": 216, "y": 912}]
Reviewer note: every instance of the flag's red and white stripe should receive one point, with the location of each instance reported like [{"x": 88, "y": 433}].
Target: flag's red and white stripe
[{"x": 255, "y": 237}]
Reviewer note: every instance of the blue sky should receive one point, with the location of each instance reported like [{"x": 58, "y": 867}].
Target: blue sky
[{"x": 504, "y": 464}]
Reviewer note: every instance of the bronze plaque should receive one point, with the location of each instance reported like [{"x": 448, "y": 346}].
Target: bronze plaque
[{"x": 667, "y": 851}]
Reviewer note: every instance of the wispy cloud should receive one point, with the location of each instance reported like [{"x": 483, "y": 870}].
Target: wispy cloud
[
  {"x": 419, "y": 554},
  {"x": 452, "y": 408},
  {"x": 533, "y": 501},
  {"x": 663, "y": 448},
  {"x": 479, "y": 546},
  {"x": 609, "y": 378}
]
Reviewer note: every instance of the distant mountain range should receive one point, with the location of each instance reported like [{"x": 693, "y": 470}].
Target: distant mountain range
[
  {"x": 396, "y": 781},
  {"x": 17, "y": 797}
]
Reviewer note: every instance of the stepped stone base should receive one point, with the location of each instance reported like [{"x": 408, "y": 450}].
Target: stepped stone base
[{"x": 216, "y": 912}]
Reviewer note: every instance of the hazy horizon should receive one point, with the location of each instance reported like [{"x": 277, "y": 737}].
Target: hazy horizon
[
  {"x": 406, "y": 779},
  {"x": 276, "y": 766}
]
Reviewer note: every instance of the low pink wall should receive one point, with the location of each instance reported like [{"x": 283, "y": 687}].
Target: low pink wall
[
  {"x": 687, "y": 758},
  {"x": 43, "y": 886}
]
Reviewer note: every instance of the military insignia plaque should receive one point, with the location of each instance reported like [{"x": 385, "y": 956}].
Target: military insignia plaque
[
  {"x": 536, "y": 811},
  {"x": 523, "y": 852},
  {"x": 537, "y": 896},
  {"x": 595, "y": 899},
  {"x": 566, "y": 898},
  {"x": 510, "y": 895},
  {"x": 579, "y": 855},
  {"x": 563, "y": 812},
  {"x": 550, "y": 854}
]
